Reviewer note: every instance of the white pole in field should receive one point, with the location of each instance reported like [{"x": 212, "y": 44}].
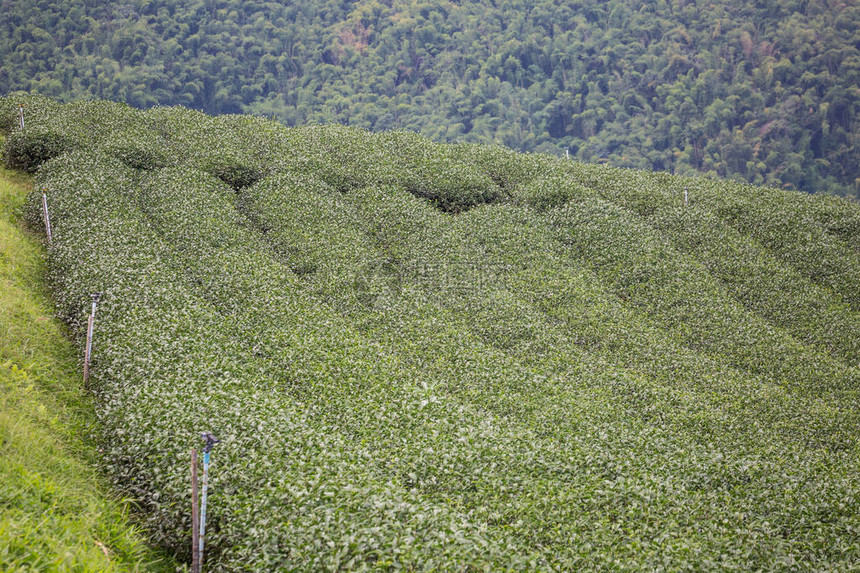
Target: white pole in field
[
  {"x": 21, "y": 116},
  {"x": 88, "y": 352},
  {"x": 567, "y": 152},
  {"x": 45, "y": 215},
  {"x": 686, "y": 198}
]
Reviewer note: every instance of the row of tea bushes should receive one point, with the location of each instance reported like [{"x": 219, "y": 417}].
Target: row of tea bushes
[
  {"x": 241, "y": 150},
  {"x": 776, "y": 290},
  {"x": 401, "y": 319},
  {"x": 813, "y": 234},
  {"x": 392, "y": 219},
  {"x": 478, "y": 464},
  {"x": 173, "y": 358}
]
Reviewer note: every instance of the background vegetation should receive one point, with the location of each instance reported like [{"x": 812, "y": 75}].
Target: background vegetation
[
  {"x": 428, "y": 356},
  {"x": 764, "y": 92}
]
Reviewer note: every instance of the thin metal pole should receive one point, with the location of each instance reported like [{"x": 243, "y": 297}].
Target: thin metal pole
[
  {"x": 686, "y": 199},
  {"x": 203, "y": 505},
  {"x": 47, "y": 216},
  {"x": 195, "y": 516},
  {"x": 88, "y": 351},
  {"x": 567, "y": 152},
  {"x": 210, "y": 440},
  {"x": 21, "y": 116}
]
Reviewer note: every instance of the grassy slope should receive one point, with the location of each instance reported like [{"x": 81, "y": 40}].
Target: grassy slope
[{"x": 54, "y": 514}]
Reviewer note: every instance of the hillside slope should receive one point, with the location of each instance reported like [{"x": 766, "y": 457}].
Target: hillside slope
[
  {"x": 764, "y": 92},
  {"x": 438, "y": 357},
  {"x": 54, "y": 513}
]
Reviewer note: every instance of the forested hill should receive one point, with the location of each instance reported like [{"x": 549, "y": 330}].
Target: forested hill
[{"x": 766, "y": 91}]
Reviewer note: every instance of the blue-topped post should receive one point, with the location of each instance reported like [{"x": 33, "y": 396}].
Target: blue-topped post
[{"x": 210, "y": 441}]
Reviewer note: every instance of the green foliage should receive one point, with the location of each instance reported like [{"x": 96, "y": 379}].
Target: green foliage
[
  {"x": 34, "y": 149},
  {"x": 442, "y": 357},
  {"x": 8, "y": 114},
  {"x": 760, "y": 92}
]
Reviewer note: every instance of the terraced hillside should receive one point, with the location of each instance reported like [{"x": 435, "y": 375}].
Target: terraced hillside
[{"x": 454, "y": 357}]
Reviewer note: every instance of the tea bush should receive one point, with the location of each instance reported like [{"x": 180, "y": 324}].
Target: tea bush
[{"x": 432, "y": 357}]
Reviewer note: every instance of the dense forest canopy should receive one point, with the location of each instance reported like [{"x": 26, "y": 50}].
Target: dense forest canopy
[{"x": 763, "y": 91}]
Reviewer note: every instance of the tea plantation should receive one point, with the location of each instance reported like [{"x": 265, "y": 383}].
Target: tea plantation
[{"x": 453, "y": 357}]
